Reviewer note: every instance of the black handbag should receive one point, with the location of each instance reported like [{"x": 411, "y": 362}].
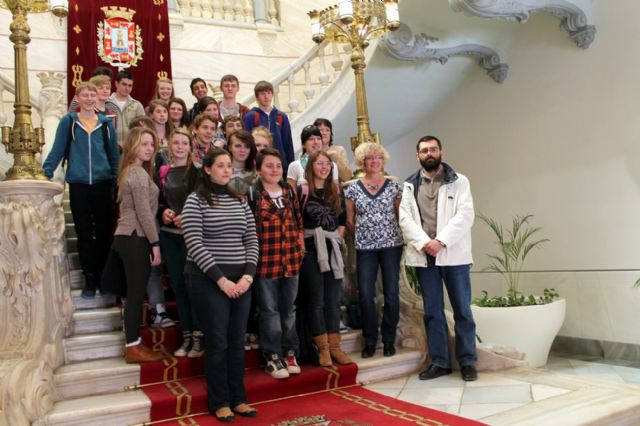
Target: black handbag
[{"x": 114, "y": 280}]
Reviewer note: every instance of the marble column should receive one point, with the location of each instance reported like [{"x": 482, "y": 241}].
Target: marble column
[{"x": 36, "y": 308}]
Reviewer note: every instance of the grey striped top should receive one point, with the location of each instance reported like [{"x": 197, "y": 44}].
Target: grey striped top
[{"x": 221, "y": 240}]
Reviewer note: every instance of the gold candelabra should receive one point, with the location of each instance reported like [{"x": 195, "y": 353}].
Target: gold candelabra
[
  {"x": 356, "y": 22},
  {"x": 22, "y": 140}
]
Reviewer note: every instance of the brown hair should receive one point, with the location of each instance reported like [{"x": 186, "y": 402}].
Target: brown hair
[
  {"x": 247, "y": 139},
  {"x": 129, "y": 152},
  {"x": 331, "y": 195}
]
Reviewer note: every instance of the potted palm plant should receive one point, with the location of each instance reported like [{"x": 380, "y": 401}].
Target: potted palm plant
[{"x": 528, "y": 323}]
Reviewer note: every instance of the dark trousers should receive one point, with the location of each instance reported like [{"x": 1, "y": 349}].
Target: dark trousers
[
  {"x": 92, "y": 211},
  {"x": 174, "y": 254},
  {"x": 322, "y": 296},
  {"x": 458, "y": 283},
  {"x": 223, "y": 321},
  {"x": 368, "y": 262},
  {"x": 134, "y": 252}
]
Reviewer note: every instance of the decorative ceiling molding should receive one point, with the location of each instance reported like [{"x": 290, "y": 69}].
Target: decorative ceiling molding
[
  {"x": 572, "y": 18},
  {"x": 402, "y": 44}
]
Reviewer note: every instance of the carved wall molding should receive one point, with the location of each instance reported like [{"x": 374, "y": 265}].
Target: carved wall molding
[
  {"x": 35, "y": 308},
  {"x": 402, "y": 44},
  {"x": 572, "y": 18}
]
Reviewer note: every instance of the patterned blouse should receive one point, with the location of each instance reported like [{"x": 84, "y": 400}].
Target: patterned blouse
[{"x": 376, "y": 220}]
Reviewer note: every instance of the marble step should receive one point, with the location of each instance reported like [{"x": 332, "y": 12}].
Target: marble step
[
  {"x": 123, "y": 408},
  {"x": 94, "y": 346},
  {"x": 77, "y": 279},
  {"x": 72, "y": 244},
  {"x": 96, "y": 377},
  {"x": 69, "y": 229},
  {"x": 97, "y": 302},
  {"x": 73, "y": 259},
  {"x": 378, "y": 367},
  {"x": 97, "y": 320},
  {"x": 77, "y": 386}
]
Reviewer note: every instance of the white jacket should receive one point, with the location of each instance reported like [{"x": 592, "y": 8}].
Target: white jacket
[{"x": 454, "y": 220}]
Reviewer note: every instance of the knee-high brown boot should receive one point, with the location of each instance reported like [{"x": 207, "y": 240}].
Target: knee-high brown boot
[
  {"x": 335, "y": 350},
  {"x": 324, "y": 358}
]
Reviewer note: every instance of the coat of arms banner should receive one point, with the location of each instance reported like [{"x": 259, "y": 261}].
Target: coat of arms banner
[{"x": 121, "y": 34}]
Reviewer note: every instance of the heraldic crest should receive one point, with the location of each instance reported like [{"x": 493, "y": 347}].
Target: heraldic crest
[{"x": 119, "y": 38}]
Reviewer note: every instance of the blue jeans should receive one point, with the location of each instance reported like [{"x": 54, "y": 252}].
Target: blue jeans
[
  {"x": 277, "y": 315},
  {"x": 223, "y": 321},
  {"x": 367, "y": 263},
  {"x": 458, "y": 283},
  {"x": 322, "y": 293}
]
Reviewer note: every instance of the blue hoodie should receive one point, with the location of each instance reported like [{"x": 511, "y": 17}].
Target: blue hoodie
[
  {"x": 88, "y": 162},
  {"x": 281, "y": 134}
]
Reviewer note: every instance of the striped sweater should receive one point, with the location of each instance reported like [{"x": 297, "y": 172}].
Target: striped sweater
[{"x": 221, "y": 240}]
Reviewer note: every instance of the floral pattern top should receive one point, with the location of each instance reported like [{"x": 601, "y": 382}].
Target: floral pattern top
[{"x": 376, "y": 220}]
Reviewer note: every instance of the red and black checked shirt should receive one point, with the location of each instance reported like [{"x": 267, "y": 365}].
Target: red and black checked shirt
[{"x": 278, "y": 234}]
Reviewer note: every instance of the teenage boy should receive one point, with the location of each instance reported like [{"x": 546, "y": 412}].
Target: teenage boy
[
  {"x": 199, "y": 90},
  {"x": 279, "y": 228},
  {"x": 87, "y": 141},
  {"x": 267, "y": 115},
  {"x": 229, "y": 85},
  {"x": 104, "y": 71},
  {"x": 127, "y": 108}
]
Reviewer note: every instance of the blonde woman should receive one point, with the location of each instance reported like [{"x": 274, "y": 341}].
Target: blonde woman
[
  {"x": 164, "y": 89},
  {"x": 136, "y": 239},
  {"x": 372, "y": 204},
  {"x": 262, "y": 138}
]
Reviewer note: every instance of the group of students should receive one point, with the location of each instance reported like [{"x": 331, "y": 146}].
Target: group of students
[{"x": 227, "y": 214}]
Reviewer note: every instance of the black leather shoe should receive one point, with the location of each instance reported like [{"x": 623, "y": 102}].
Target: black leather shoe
[
  {"x": 368, "y": 351},
  {"x": 469, "y": 373},
  {"x": 245, "y": 410},
  {"x": 389, "y": 349},
  {"x": 229, "y": 418},
  {"x": 433, "y": 372}
]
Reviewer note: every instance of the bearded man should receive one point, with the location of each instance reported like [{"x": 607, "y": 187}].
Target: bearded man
[{"x": 436, "y": 214}]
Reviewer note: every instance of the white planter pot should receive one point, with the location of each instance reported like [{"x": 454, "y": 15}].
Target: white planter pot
[{"x": 530, "y": 329}]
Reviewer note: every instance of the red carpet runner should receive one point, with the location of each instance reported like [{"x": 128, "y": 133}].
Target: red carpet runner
[{"x": 319, "y": 396}]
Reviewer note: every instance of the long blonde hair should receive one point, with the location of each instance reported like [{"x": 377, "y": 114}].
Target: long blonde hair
[
  {"x": 129, "y": 153},
  {"x": 163, "y": 80}
]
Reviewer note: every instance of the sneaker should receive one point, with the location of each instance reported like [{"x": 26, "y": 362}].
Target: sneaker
[
  {"x": 291, "y": 363},
  {"x": 197, "y": 349},
  {"x": 161, "y": 320},
  {"x": 254, "y": 342},
  {"x": 186, "y": 345},
  {"x": 275, "y": 367},
  {"x": 343, "y": 328}
]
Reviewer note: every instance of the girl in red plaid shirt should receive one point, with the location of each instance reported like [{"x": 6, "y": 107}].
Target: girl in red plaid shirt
[{"x": 279, "y": 228}]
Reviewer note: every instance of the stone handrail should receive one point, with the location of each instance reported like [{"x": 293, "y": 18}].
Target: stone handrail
[
  {"x": 289, "y": 86},
  {"x": 8, "y": 85},
  {"x": 231, "y": 11}
]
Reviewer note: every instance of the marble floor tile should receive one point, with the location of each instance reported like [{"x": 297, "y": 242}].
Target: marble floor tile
[
  {"x": 433, "y": 396},
  {"x": 391, "y": 392},
  {"x": 451, "y": 409},
  {"x": 540, "y": 392},
  {"x": 478, "y": 411},
  {"x": 397, "y": 383},
  {"x": 497, "y": 394},
  {"x": 488, "y": 379},
  {"x": 449, "y": 381}
]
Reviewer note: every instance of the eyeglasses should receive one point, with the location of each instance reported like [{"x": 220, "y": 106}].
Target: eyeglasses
[
  {"x": 432, "y": 150},
  {"x": 309, "y": 127},
  {"x": 374, "y": 157}
]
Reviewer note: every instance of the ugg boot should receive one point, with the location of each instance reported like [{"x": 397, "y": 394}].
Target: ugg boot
[
  {"x": 335, "y": 350},
  {"x": 324, "y": 357}
]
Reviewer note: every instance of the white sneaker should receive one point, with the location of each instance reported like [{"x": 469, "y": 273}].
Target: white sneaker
[
  {"x": 161, "y": 320},
  {"x": 343, "y": 328},
  {"x": 276, "y": 368},
  {"x": 186, "y": 345},
  {"x": 291, "y": 363}
]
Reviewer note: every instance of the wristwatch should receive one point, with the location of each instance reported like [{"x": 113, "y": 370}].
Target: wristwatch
[{"x": 248, "y": 278}]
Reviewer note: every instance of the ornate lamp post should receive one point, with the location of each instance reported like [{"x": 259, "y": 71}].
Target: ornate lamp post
[
  {"x": 23, "y": 141},
  {"x": 356, "y": 22}
]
